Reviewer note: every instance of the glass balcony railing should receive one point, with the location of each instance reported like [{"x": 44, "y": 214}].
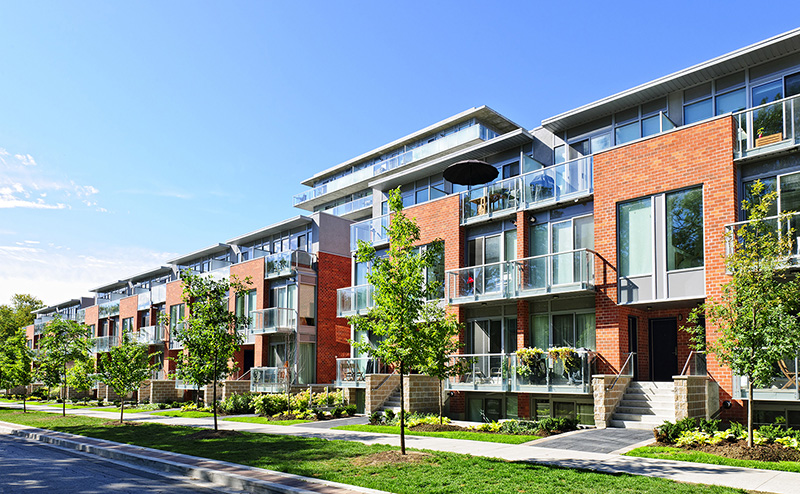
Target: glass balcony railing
[
  {"x": 285, "y": 263},
  {"x": 174, "y": 342},
  {"x": 248, "y": 336},
  {"x": 181, "y": 384},
  {"x": 539, "y": 275},
  {"x": 503, "y": 372},
  {"x": 550, "y": 185},
  {"x": 351, "y": 372},
  {"x": 784, "y": 384},
  {"x": 150, "y": 335},
  {"x": 109, "y": 309},
  {"x": 273, "y": 320},
  {"x": 349, "y": 207},
  {"x": 354, "y": 300},
  {"x": 437, "y": 146},
  {"x": 768, "y": 127},
  {"x": 80, "y": 316},
  {"x": 104, "y": 343},
  {"x": 372, "y": 231},
  {"x": 269, "y": 379},
  {"x": 786, "y": 225}
]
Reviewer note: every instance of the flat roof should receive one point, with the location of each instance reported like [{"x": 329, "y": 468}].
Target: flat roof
[
  {"x": 108, "y": 287},
  {"x": 483, "y": 113},
  {"x": 755, "y": 54},
  {"x": 150, "y": 273},
  {"x": 53, "y": 308},
  {"x": 207, "y": 251},
  {"x": 287, "y": 224}
]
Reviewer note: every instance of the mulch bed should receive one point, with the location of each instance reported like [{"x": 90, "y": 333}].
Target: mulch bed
[
  {"x": 437, "y": 428},
  {"x": 394, "y": 456},
  {"x": 212, "y": 434},
  {"x": 115, "y": 423},
  {"x": 739, "y": 451}
]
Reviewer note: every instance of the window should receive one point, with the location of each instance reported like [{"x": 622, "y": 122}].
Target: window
[
  {"x": 245, "y": 304},
  {"x": 570, "y": 329},
  {"x": 127, "y": 325},
  {"x": 636, "y": 238},
  {"x": 561, "y": 239},
  {"x": 685, "y": 229},
  {"x": 697, "y": 104},
  {"x": 176, "y": 314}
]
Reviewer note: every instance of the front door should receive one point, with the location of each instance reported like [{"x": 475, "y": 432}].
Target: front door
[{"x": 663, "y": 349}]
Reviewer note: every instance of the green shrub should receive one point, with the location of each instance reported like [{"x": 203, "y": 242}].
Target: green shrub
[
  {"x": 522, "y": 427},
  {"x": 669, "y": 432},
  {"x": 376, "y": 418},
  {"x": 237, "y": 404},
  {"x": 709, "y": 426},
  {"x": 270, "y": 404},
  {"x": 558, "y": 424},
  {"x": 351, "y": 409}
]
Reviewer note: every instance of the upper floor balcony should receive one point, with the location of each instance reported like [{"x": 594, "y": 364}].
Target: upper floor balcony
[
  {"x": 356, "y": 178},
  {"x": 248, "y": 336},
  {"x": 80, "y": 316},
  {"x": 543, "y": 187},
  {"x": 787, "y": 225},
  {"x": 372, "y": 231},
  {"x": 150, "y": 335},
  {"x": 157, "y": 294},
  {"x": 354, "y": 300},
  {"x": 273, "y": 320},
  {"x": 563, "y": 272},
  {"x": 354, "y": 206},
  {"x": 104, "y": 343},
  {"x": 768, "y": 128},
  {"x": 109, "y": 309},
  {"x": 286, "y": 263},
  {"x": 269, "y": 379}
]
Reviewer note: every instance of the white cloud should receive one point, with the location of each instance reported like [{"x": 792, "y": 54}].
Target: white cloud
[
  {"x": 55, "y": 274},
  {"x": 20, "y": 176}
]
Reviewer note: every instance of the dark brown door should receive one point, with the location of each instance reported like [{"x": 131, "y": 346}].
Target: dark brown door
[{"x": 663, "y": 348}]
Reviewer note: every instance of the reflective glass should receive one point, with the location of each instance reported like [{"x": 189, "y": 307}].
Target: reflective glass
[
  {"x": 732, "y": 102},
  {"x": 650, "y": 126},
  {"x": 685, "y": 229},
  {"x": 697, "y": 112},
  {"x": 585, "y": 329},
  {"x": 600, "y": 143},
  {"x": 627, "y": 133},
  {"x": 635, "y": 238}
]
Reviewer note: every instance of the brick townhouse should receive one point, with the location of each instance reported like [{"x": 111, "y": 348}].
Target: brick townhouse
[{"x": 603, "y": 229}]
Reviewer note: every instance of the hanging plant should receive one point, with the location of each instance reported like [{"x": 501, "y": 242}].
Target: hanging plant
[
  {"x": 531, "y": 362},
  {"x": 568, "y": 356}
]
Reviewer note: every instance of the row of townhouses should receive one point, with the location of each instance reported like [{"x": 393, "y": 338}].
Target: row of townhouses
[{"x": 603, "y": 229}]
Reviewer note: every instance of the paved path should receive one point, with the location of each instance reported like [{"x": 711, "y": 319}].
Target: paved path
[
  {"x": 598, "y": 440},
  {"x": 743, "y": 478}
]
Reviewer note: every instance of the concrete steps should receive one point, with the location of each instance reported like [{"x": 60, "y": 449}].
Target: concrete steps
[
  {"x": 393, "y": 402},
  {"x": 645, "y": 405}
]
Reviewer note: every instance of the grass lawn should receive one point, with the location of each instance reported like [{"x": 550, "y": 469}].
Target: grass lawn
[
  {"x": 339, "y": 461},
  {"x": 264, "y": 420},
  {"x": 127, "y": 410},
  {"x": 678, "y": 454},
  {"x": 6, "y": 400},
  {"x": 192, "y": 414},
  {"x": 472, "y": 436},
  {"x": 69, "y": 406}
]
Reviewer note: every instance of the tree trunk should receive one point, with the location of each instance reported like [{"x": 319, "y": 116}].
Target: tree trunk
[
  {"x": 402, "y": 414},
  {"x": 121, "y": 409},
  {"x": 214, "y": 401},
  {"x": 440, "y": 402},
  {"x": 24, "y": 410},
  {"x": 64, "y": 401},
  {"x": 749, "y": 412}
]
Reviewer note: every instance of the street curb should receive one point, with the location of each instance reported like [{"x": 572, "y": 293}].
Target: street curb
[{"x": 215, "y": 476}]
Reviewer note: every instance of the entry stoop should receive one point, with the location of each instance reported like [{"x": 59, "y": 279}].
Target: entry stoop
[
  {"x": 393, "y": 401},
  {"x": 645, "y": 405}
]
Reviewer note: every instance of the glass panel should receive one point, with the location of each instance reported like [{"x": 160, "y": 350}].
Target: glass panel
[
  {"x": 732, "y": 102},
  {"x": 768, "y": 120},
  {"x": 540, "y": 331},
  {"x": 585, "y": 329},
  {"x": 651, "y": 126},
  {"x": 685, "y": 229},
  {"x": 437, "y": 190},
  {"x": 635, "y": 238},
  {"x": 539, "y": 240},
  {"x": 306, "y": 364},
  {"x": 770, "y": 185},
  {"x": 510, "y": 344},
  {"x": 627, "y": 133},
  {"x": 563, "y": 331},
  {"x": 562, "y": 242},
  {"x": 696, "y": 112},
  {"x": 765, "y": 93},
  {"x": 792, "y": 85},
  {"x": 511, "y": 245},
  {"x": 600, "y": 143},
  {"x": 578, "y": 149},
  {"x": 790, "y": 193},
  {"x": 492, "y": 255},
  {"x": 560, "y": 154},
  {"x": 584, "y": 232},
  {"x": 422, "y": 195}
]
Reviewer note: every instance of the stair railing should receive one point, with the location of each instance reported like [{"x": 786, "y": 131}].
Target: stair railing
[{"x": 629, "y": 360}]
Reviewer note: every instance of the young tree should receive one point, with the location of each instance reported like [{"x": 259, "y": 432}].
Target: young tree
[
  {"x": 756, "y": 314},
  {"x": 15, "y": 364},
  {"x": 400, "y": 294},
  {"x": 18, "y": 315},
  {"x": 209, "y": 332},
  {"x": 439, "y": 332},
  {"x": 62, "y": 343},
  {"x": 124, "y": 368},
  {"x": 81, "y": 375}
]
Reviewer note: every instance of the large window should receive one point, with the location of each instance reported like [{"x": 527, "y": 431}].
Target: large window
[
  {"x": 176, "y": 314},
  {"x": 570, "y": 329},
  {"x": 685, "y": 229},
  {"x": 245, "y": 304},
  {"x": 636, "y": 237}
]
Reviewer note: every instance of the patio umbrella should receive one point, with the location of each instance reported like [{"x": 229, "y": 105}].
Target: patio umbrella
[{"x": 470, "y": 172}]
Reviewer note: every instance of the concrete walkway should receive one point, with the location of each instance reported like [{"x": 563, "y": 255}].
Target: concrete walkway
[
  {"x": 613, "y": 441},
  {"x": 742, "y": 478}
]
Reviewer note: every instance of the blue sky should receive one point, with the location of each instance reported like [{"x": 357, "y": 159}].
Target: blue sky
[{"x": 133, "y": 132}]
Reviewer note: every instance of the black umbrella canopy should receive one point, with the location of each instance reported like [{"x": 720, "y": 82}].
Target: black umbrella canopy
[{"x": 470, "y": 172}]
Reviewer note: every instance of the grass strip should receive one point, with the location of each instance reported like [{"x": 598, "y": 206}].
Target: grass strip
[
  {"x": 472, "y": 436},
  {"x": 192, "y": 414},
  {"x": 265, "y": 420},
  {"x": 70, "y": 407},
  {"x": 678, "y": 454},
  {"x": 127, "y": 410},
  {"x": 340, "y": 461}
]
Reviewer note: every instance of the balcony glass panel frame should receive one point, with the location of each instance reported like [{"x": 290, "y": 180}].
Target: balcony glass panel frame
[
  {"x": 772, "y": 126},
  {"x": 352, "y": 300},
  {"x": 273, "y": 320},
  {"x": 372, "y": 231},
  {"x": 269, "y": 379}
]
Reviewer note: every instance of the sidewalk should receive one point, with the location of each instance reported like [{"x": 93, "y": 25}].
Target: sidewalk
[{"x": 742, "y": 478}]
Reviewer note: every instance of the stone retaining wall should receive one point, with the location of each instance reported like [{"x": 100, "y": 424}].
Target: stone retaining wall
[
  {"x": 163, "y": 391},
  {"x": 696, "y": 397},
  {"x": 379, "y": 388},
  {"x": 605, "y": 400},
  {"x": 421, "y": 394},
  {"x": 231, "y": 387}
]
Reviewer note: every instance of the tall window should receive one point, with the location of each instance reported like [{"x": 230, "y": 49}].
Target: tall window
[
  {"x": 127, "y": 325},
  {"x": 176, "y": 314},
  {"x": 636, "y": 237},
  {"x": 572, "y": 329},
  {"x": 246, "y": 303},
  {"x": 685, "y": 229}
]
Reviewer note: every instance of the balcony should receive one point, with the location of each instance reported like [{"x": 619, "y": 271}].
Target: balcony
[
  {"x": 248, "y": 336},
  {"x": 269, "y": 379},
  {"x": 448, "y": 142},
  {"x": 767, "y": 128},
  {"x": 503, "y": 372},
  {"x": 351, "y": 207},
  {"x": 551, "y": 185},
  {"x": 104, "y": 343},
  {"x": 80, "y": 316},
  {"x": 784, "y": 385},
  {"x": 372, "y": 231},
  {"x": 150, "y": 335},
  {"x": 273, "y": 320},
  {"x": 354, "y": 300},
  {"x": 787, "y": 224},
  {"x": 352, "y": 372},
  {"x": 564, "y": 272},
  {"x": 285, "y": 263},
  {"x": 109, "y": 309}
]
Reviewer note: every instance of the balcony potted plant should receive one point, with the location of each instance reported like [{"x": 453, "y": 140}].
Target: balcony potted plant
[
  {"x": 570, "y": 360},
  {"x": 531, "y": 364}
]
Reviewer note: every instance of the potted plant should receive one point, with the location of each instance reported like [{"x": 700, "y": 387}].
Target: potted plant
[
  {"x": 569, "y": 358},
  {"x": 531, "y": 363}
]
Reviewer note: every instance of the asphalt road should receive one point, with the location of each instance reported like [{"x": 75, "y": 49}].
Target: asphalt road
[{"x": 31, "y": 467}]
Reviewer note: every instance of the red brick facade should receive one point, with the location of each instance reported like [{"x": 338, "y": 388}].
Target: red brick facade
[{"x": 333, "y": 332}]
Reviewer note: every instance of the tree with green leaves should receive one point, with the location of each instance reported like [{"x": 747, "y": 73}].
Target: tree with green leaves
[
  {"x": 15, "y": 364},
  {"x": 81, "y": 375},
  {"x": 400, "y": 296},
  {"x": 64, "y": 342},
  {"x": 209, "y": 332},
  {"x": 756, "y": 315},
  {"x": 124, "y": 368},
  {"x": 18, "y": 315},
  {"x": 439, "y": 332}
]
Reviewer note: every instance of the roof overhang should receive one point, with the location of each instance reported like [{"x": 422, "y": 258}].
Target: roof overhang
[
  {"x": 755, "y": 54},
  {"x": 150, "y": 274},
  {"x": 110, "y": 287},
  {"x": 483, "y": 113},
  {"x": 208, "y": 251},
  {"x": 481, "y": 150},
  {"x": 53, "y": 308},
  {"x": 288, "y": 224}
]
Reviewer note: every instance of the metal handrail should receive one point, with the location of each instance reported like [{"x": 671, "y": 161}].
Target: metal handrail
[
  {"x": 689, "y": 359},
  {"x": 621, "y": 370},
  {"x": 241, "y": 378}
]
